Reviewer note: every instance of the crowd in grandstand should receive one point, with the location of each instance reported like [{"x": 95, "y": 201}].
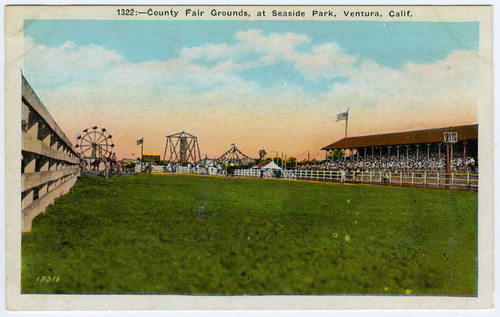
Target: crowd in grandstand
[{"x": 393, "y": 164}]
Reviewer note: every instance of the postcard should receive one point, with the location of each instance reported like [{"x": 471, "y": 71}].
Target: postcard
[{"x": 199, "y": 157}]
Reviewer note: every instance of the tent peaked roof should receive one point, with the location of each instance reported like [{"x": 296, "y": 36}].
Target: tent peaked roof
[
  {"x": 233, "y": 154},
  {"x": 269, "y": 165},
  {"x": 263, "y": 164}
]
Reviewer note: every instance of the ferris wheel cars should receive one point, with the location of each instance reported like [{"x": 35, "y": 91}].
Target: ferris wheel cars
[{"x": 94, "y": 144}]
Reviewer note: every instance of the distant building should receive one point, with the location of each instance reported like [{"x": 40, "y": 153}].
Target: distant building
[{"x": 151, "y": 158}]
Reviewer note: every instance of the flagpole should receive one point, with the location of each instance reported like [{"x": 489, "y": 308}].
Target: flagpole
[
  {"x": 346, "y": 119},
  {"x": 141, "y": 142}
]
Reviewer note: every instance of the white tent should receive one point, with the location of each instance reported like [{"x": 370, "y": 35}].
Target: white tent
[
  {"x": 267, "y": 166},
  {"x": 270, "y": 166},
  {"x": 269, "y": 169}
]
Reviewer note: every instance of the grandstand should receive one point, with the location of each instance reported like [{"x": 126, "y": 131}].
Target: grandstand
[{"x": 410, "y": 150}]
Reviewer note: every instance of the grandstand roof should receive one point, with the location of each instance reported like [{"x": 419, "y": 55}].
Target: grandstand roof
[{"x": 465, "y": 133}]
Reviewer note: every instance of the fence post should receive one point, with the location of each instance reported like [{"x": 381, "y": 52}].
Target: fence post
[
  {"x": 51, "y": 164},
  {"x": 401, "y": 178},
  {"x": 371, "y": 174},
  {"x": 390, "y": 177},
  {"x": 452, "y": 180},
  {"x": 425, "y": 179},
  {"x": 362, "y": 177},
  {"x": 412, "y": 174},
  {"x": 468, "y": 179},
  {"x": 438, "y": 182}
]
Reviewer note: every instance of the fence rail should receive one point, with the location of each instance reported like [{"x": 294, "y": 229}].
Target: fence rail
[
  {"x": 398, "y": 178},
  {"x": 184, "y": 170},
  {"x": 393, "y": 178},
  {"x": 50, "y": 163}
]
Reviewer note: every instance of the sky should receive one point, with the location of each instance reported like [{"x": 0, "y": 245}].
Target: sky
[{"x": 273, "y": 85}]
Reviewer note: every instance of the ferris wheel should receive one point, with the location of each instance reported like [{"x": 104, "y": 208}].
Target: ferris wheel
[{"x": 94, "y": 144}]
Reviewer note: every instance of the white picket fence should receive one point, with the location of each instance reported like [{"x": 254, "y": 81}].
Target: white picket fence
[
  {"x": 182, "y": 169},
  {"x": 401, "y": 178},
  {"x": 394, "y": 178}
]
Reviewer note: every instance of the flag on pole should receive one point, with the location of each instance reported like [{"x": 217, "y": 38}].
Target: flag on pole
[
  {"x": 140, "y": 141},
  {"x": 342, "y": 116}
]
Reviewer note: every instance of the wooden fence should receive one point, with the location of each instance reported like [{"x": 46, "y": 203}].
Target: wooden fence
[
  {"x": 50, "y": 163},
  {"x": 395, "y": 178}
]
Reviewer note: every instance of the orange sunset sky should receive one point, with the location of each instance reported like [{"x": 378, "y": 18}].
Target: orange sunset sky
[{"x": 274, "y": 86}]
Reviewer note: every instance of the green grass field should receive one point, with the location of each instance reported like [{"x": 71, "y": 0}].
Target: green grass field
[{"x": 143, "y": 234}]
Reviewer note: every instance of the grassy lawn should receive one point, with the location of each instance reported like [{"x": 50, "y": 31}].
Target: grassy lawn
[{"x": 143, "y": 234}]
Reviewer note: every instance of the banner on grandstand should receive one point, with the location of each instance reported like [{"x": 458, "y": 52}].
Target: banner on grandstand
[{"x": 342, "y": 116}]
